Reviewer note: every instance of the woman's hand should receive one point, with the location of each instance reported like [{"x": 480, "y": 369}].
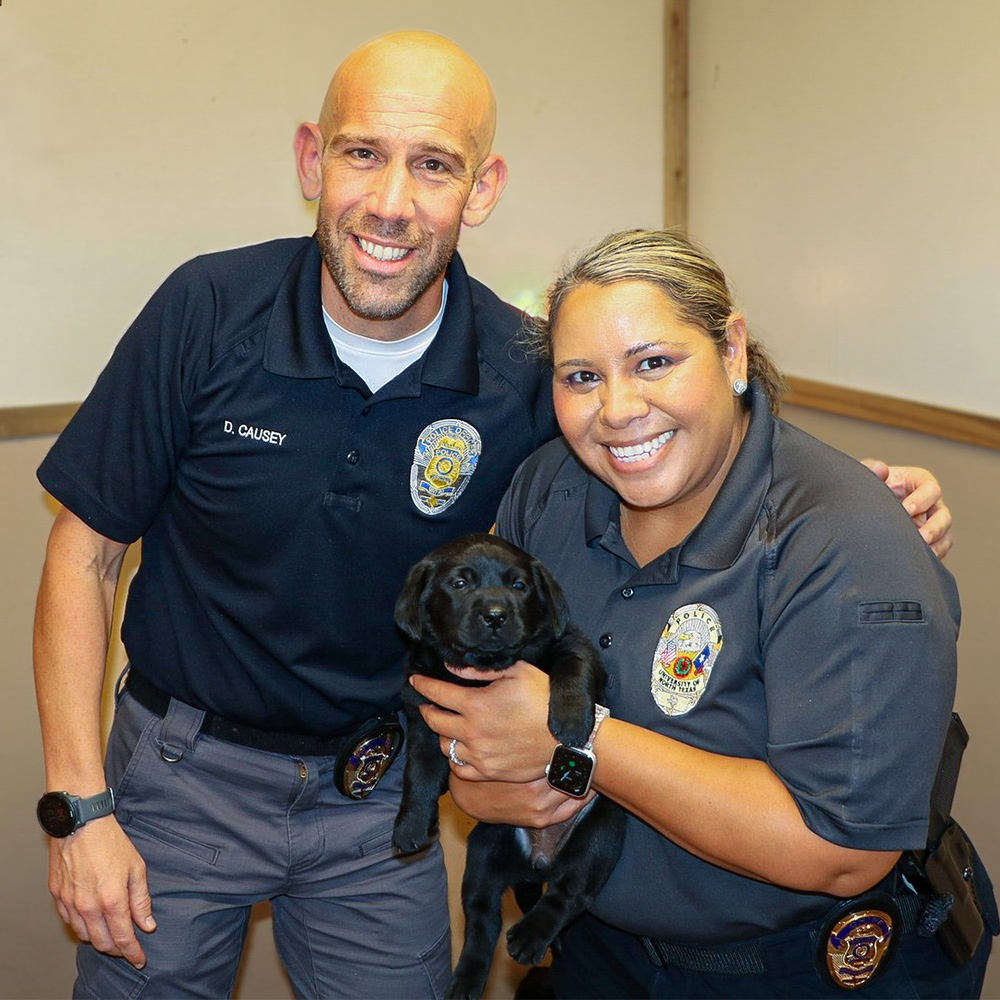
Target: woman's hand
[
  {"x": 525, "y": 803},
  {"x": 501, "y": 730},
  {"x": 920, "y": 494}
]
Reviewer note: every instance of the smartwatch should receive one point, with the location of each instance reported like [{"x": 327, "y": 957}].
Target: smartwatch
[
  {"x": 572, "y": 768},
  {"x": 60, "y": 814}
]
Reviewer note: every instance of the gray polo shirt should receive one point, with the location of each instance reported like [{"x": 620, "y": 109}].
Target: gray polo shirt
[{"x": 803, "y": 622}]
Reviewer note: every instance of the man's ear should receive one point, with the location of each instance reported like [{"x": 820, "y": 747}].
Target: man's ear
[
  {"x": 309, "y": 159},
  {"x": 491, "y": 179}
]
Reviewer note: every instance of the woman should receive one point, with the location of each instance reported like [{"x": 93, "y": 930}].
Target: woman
[{"x": 780, "y": 645}]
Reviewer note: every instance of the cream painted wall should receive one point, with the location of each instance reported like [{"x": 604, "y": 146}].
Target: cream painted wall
[
  {"x": 136, "y": 135},
  {"x": 844, "y": 168}
]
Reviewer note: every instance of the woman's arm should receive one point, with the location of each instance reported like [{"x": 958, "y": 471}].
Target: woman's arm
[{"x": 733, "y": 812}]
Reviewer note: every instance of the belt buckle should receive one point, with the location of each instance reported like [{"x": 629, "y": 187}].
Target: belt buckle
[
  {"x": 367, "y": 754},
  {"x": 857, "y": 939}
]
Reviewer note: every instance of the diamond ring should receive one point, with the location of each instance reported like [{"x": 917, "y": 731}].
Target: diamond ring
[{"x": 455, "y": 759}]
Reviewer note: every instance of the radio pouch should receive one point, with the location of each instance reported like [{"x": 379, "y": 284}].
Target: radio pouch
[{"x": 946, "y": 867}]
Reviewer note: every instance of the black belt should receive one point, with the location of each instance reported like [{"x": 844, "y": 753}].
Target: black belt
[
  {"x": 807, "y": 942},
  {"x": 294, "y": 744}
]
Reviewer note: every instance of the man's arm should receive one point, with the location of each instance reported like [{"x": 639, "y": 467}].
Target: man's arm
[
  {"x": 920, "y": 494},
  {"x": 96, "y": 876}
]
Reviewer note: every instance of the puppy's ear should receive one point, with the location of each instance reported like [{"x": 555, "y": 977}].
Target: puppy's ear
[
  {"x": 410, "y": 600},
  {"x": 555, "y": 599}
]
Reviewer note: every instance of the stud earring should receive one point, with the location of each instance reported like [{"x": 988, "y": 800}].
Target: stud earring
[{"x": 739, "y": 387}]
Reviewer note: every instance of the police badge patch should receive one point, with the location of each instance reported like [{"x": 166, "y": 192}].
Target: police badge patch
[
  {"x": 444, "y": 460},
  {"x": 685, "y": 654}
]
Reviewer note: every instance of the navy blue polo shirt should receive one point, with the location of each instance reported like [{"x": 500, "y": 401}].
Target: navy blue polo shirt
[
  {"x": 279, "y": 502},
  {"x": 803, "y": 622}
]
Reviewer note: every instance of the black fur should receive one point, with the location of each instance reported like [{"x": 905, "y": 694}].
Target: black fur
[{"x": 480, "y": 601}]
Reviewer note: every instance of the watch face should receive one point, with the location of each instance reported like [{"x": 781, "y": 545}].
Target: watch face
[
  {"x": 55, "y": 815},
  {"x": 570, "y": 770}
]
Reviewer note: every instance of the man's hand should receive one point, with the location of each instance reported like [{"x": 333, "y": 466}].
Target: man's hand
[
  {"x": 98, "y": 881},
  {"x": 920, "y": 494}
]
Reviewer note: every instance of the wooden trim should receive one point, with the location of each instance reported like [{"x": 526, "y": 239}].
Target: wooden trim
[
  {"x": 675, "y": 114},
  {"x": 32, "y": 421},
  {"x": 934, "y": 420}
]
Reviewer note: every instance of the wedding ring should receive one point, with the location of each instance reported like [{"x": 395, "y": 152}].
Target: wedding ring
[{"x": 455, "y": 759}]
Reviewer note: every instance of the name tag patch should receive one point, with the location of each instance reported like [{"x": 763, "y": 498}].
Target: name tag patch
[
  {"x": 444, "y": 459},
  {"x": 687, "y": 650}
]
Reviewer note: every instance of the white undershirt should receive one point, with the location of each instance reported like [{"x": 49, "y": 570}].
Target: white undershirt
[{"x": 380, "y": 361}]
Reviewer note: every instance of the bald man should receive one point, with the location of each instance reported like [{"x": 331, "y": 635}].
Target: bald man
[{"x": 287, "y": 428}]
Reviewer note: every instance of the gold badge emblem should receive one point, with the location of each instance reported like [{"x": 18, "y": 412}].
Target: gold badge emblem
[
  {"x": 685, "y": 655},
  {"x": 858, "y": 943},
  {"x": 445, "y": 457}
]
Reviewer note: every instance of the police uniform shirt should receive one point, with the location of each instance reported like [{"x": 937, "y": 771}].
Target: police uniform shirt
[
  {"x": 279, "y": 502},
  {"x": 804, "y": 622}
]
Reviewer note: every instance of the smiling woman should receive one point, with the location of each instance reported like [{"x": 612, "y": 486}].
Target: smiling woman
[{"x": 735, "y": 573}]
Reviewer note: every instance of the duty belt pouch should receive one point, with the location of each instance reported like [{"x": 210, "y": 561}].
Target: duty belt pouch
[{"x": 946, "y": 868}]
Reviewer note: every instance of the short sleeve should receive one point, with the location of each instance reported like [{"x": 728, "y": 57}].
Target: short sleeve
[{"x": 114, "y": 462}]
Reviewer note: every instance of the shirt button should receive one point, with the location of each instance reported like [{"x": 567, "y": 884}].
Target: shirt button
[
  {"x": 627, "y": 592},
  {"x": 605, "y": 640},
  {"x": 352, "y": 456}
]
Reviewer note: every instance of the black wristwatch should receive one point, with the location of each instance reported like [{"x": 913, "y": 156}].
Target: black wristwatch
[
  {"x": 572, "y": 768},
  {"x": 60, "y": 814}
]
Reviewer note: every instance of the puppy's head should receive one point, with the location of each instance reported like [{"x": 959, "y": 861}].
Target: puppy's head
[{"x": 480, "y": 601}]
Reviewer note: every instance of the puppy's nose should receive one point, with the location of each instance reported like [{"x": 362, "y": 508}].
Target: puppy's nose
[{"x": 494, "y": 617}]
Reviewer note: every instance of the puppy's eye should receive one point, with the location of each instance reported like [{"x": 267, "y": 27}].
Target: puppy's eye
[
  {"x": 519, "y": 585},
  {"x": 459, "y": 583}
]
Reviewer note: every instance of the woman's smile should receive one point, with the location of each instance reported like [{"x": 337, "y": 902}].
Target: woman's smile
[{"x": 637, "y": 452}]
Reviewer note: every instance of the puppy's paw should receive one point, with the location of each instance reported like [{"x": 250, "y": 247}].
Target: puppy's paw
[
  {"x": 571, "y": 715},
  {"x": 529, "y": 939},
  {"x": 410, "y": 835},
  {"x": 467, "y": 983}
]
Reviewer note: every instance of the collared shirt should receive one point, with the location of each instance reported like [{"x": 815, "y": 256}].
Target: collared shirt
[
  {"x": 280, "y": 503},
  {"x": 803, "y": 622}
]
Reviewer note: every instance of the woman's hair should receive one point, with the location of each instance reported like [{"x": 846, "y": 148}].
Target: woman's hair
[{"x": 678, "y": 266}]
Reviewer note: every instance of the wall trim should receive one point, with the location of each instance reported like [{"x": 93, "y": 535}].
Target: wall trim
[
  {"x": 937, "y": 421},
  {"x": 34, "y": 421},
  {"x": 675, "y": 114}
]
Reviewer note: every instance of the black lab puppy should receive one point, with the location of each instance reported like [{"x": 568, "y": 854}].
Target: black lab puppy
[{"x": 480, "y": 601}]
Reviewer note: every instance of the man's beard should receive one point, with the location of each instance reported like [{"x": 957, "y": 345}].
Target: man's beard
[{"x": 372, "y": 295}]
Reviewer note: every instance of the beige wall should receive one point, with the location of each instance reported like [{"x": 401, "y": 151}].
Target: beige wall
[
  {"x": 843, "y": 167},
  {"x": 151, "y": 132}
]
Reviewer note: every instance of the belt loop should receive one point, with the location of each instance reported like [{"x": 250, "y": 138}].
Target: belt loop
[{"x": 179, "y": 730}]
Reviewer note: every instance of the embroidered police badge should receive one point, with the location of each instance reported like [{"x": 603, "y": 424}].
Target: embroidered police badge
[
  {"x": 857, "y": 939},
  {"x": 687, "y": 649},
  {"x": 444, "y": 460}
]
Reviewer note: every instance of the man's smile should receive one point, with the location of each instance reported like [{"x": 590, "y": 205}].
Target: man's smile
[{"x": 380, "y": 251}]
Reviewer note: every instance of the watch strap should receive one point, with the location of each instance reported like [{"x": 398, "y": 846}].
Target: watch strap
[
  {"x": 96, "y": 806},
  {"x": 600, "y": 714}
]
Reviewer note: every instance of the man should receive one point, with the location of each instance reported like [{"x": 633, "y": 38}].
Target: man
[{"x": 281, "y": 488}]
